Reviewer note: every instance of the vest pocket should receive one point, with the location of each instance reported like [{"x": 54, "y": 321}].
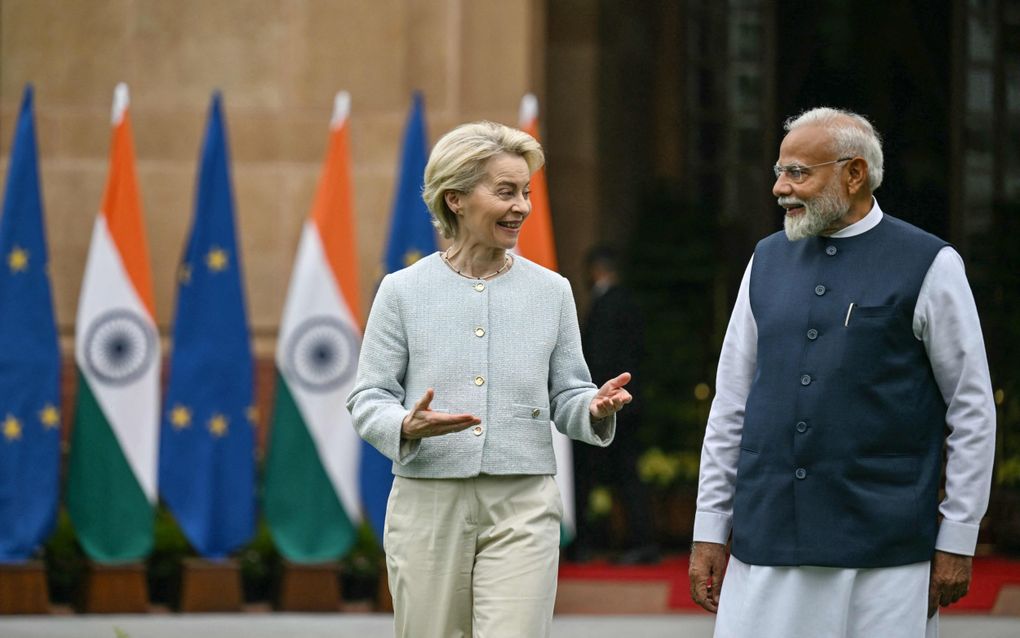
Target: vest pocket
[
  {"x": 884, "y": 488},
  {"x": 869, "y": 333},
  {"x": 886, "y": 469}
]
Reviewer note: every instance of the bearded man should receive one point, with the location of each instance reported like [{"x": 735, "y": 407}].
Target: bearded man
[{"x": 852, "y": 364}]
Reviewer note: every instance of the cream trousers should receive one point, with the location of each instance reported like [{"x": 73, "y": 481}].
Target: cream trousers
[{"x": 473, "y": 557}]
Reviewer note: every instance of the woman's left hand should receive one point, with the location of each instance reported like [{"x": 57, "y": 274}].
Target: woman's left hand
[{"x": 610, "y": 397}]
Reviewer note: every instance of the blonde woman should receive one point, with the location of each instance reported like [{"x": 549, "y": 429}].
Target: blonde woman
[{"x": 468, "y": 354}]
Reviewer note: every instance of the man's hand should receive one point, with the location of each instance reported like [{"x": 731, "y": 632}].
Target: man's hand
[
  {"x": 708, "y": 564},
  {"x": 610, "y": 397},
  {"x": 950, "y": 579},
  {"x": 422, "y": 421}
]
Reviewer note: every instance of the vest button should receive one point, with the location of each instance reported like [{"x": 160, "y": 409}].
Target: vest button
[
  {"x": 479, "y": 286},
  {"x": 479, "y": 380},
  {"x": 830, "y": 250},
  {"x": 812, "y": 334},
  {"x": 535, "y": 413},
  {"x": 805, "y": 379},
  {"x": 479, "y": 331},
  {"x": 477, "y": 430},
  {"x": 819, "y": 290},
  {"x": 801, "y": 473},
  {"x": 801, "y": 427}
]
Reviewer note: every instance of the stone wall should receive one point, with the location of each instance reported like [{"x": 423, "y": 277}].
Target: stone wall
[{"x": 278, "y": 63}]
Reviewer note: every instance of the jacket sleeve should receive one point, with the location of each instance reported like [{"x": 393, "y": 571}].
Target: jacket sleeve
[
  {"x": 377, "y": 401},
  {"x": 570, "y": 386}
]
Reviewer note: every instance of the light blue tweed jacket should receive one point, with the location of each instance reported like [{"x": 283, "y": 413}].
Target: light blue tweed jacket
[{"x": 507, "y": 350}]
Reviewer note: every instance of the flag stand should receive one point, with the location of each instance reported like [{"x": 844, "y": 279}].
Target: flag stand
[
  {"x": 23, "y": 588},
  {"x": 116, "y": 589},
  {"x": 210, "y": 585},
  {"x": 309, "y": 587}
]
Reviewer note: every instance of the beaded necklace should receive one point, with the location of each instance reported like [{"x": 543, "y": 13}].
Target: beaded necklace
[{"x": 446, "y": 260}]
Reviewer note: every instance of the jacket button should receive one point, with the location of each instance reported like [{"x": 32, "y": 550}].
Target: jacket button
[
  {"x": 535, "y": 413},
  {"x": 479, "y": 380},
  {"x": 804, "y": 379},
  {"x": 812, "y": 334},
  {"x": 801, "y": 473},
  {"x": 479, "y": 286},
  {"x": 477, "y": 430},
  {"x": 819, "y": 290},
  {"x": 801, "y": 427},
  {"x": 479, "y": 332},
  {"x": 830, "y": 250}
]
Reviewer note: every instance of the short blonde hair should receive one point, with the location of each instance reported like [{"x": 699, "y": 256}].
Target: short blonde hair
[{"x": 458, "y": 160}]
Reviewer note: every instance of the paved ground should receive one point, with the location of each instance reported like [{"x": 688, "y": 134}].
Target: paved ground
[{"x": 379, "y": 626}]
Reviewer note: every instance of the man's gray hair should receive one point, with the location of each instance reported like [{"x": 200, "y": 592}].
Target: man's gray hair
[{"x": 852, "y": 134}]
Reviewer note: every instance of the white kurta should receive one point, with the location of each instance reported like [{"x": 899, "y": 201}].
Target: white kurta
[{"x": 946, "y": 321}]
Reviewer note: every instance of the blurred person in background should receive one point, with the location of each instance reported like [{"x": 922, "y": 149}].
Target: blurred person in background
[
  {"x": 468, "y": 354},
  {"x": 853, "y": 363},
  {"x": 613, "y": 340}
]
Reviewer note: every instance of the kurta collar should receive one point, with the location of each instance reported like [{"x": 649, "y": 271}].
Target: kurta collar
[{"x": 863, "y": 225}]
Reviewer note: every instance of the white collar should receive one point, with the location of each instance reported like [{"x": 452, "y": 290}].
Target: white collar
[{"x": 862, "y": 225}]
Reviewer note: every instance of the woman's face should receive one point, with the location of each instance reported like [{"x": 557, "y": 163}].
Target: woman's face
[{"x": 491, "y": 215}]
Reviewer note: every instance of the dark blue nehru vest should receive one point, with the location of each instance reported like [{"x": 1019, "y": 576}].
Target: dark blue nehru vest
[{"x": 840, "y": 458}]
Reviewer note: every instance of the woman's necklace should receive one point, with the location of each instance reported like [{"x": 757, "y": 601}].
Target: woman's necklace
[{"x": 446, "y": 259}]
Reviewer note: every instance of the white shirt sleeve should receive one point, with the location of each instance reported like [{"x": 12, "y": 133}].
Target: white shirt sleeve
[
  {"x": 946, "y": 320},
  {"x": 721, "y": 449}
]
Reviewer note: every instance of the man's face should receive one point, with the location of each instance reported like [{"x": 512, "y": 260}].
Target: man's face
[{"x": 815, "y": 205}]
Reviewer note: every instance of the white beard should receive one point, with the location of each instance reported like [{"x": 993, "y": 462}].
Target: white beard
[{"x": 820, "y": 212}]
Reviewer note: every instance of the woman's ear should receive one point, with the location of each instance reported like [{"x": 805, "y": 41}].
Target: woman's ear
[{"x": 452, "y": 201}]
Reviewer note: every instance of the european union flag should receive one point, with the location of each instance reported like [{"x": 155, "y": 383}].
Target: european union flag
[
  {"x": 29, "y": 358},
  {"x": 207, "y": 467},
  {"x": 412, "y": 237}
]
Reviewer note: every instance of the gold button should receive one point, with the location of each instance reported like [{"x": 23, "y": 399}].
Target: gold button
[
  {"x": 479, "y": 286},
  {"x": 477, "y": 430},
  {"x": 479, "y": 380},
  {"x": 479, "y": 332},
  {"x": 535, "y": 413}
]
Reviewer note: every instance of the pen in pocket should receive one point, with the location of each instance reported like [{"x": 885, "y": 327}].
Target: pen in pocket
[{"x": 848, "y": 311}]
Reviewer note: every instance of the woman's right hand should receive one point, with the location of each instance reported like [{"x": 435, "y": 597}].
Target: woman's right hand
[{"x": 422, "y": 421}]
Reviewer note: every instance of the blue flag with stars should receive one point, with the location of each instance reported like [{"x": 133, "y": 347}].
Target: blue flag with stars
[
  {"x": 29, "y": 358},
  {"x": 206, "y": 465},
  {"x": 412, "y": 237}
]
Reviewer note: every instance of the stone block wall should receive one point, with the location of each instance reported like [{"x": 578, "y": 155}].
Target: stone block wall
[{"x": 278, "y": 63}]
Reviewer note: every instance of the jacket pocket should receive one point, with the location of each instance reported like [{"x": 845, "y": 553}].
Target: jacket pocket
[{"x": 534, "y": 413}]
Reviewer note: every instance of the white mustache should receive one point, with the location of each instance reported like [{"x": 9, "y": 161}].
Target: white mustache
[{"x": 790, "y": 201}]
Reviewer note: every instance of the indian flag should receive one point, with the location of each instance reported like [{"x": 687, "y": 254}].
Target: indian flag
[
  {"x": 536, "y": 243},
  {"x": 111, "y": 491},
  {"x": 311, "y": 482}
]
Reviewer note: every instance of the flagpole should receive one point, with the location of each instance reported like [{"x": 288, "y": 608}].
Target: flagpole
[
  {"x": 411, "y": 237},
  {"x": 537, "y": 243}
]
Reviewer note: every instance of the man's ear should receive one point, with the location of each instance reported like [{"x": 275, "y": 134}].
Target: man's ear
[{"x": 857, "y": 172}]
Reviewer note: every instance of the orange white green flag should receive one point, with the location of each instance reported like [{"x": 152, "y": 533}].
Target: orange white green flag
[
  {"x": 312, "y": 503},
  {"x": 111, "y": 485},
  {"x": 536, "y": 242}
]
